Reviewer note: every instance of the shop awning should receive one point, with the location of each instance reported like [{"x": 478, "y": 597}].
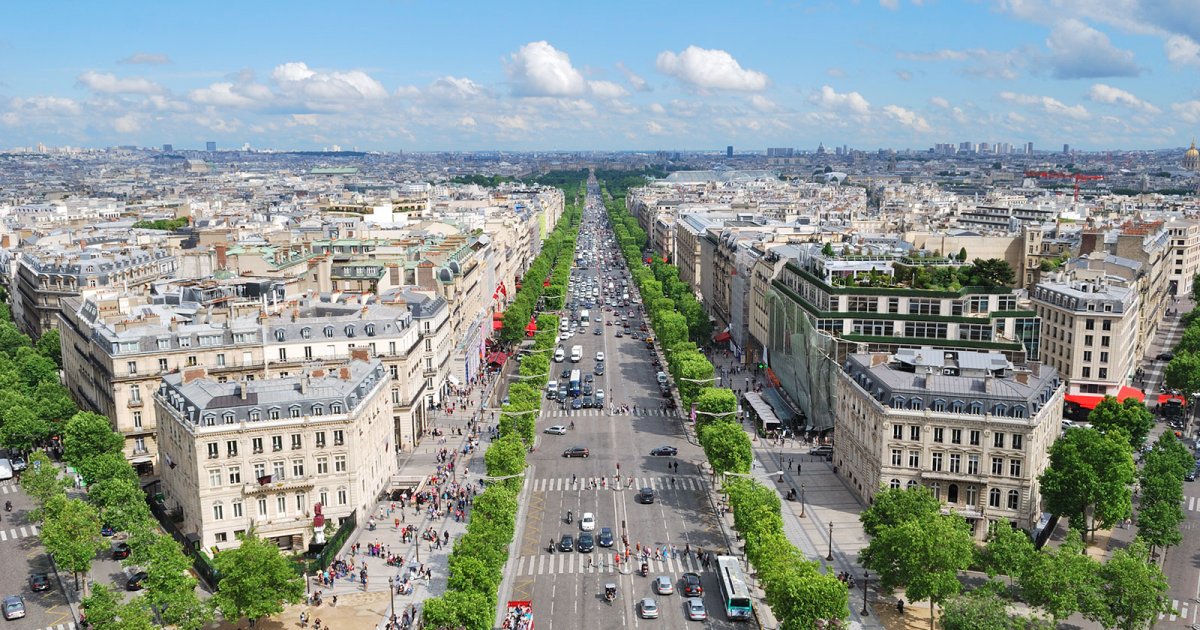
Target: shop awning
[
  {"x": 722, "y": 337},
  {"x": 1089, "y": 401},
  {"x": 497, "y": 358},
  {"x": 1165, "y": 398},
  {"x": 453, "y": 380}
]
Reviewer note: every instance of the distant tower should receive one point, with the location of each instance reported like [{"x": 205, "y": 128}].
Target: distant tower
[
  {"x": 729, "y": 151},
  {"x": 1028, "y": 148},
  {"x": 1191, "y": 158},
  {"x": 210, "y": 146},
  {"x": 821, "y": 148},
  {"x": 1066, "y": 148},
  {"x": 167, "y": 147}
]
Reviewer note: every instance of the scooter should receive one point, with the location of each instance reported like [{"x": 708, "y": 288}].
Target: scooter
[
  {"x": 569, "y": 517},
  {"x": 645, "y": 569}
]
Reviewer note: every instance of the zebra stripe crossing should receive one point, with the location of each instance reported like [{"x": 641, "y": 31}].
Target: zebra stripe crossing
[
  {"x": 1179, "y": 608},
  {"x": 61, "y": 626},
  {"x": 595, "y": 413},
  {"x": 564, "y": 484},
  {"x": 1191, "y": 504},
  {"x": 9, "y": 488},
  {"x": 17, "y": 533},
  {"x": 600, "y": 562}
]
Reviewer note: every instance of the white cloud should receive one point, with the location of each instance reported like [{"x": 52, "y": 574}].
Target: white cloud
[
  {"x": 906, "y": 117},
  {"x": 304, "y": 120},
  {"x": 1182, "y": 50},
  {"x": 129, "y": 123},
  {"x": 657, "y": 108},
  {"x": 763, "y": 104},
  {"x": 106, "y": 83},
  {"x": 890, "y": 4},
  {"x": 851, "y": 102},
  {"x": 451, "y": 88},
  {"x": 835, "y": 72},
  {"x": 52, "y": 105},
  {"x": 226, "y": 94},
  {"x": 154, "y": 59},
  {"x": 163, "y": 103},
  {"x": 938, "y": 101},
  {"x": 1187, "y": 111},
  {"x": 654, "y": 128},
  {"x": 467, "y": 122},
  {"x": 1078, "y": 51},
  {"x": 904, "y": 75},
  {"x": 1101, "y": 93},
  {"x": 980, "y": 62},
  {"x": 539, "y": 69},
  {"x": 710, "y": 69},
  {"x": 1048, "y": 104},
  {"x": 635, "y": 80},
  {"x": 298, "y": 80},
  {"x": 607, "y": 89},
  {"x": 512, "y": 123}
]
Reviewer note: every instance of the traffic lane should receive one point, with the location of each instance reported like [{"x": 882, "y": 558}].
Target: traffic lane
[{"x": 25, "y": 556}]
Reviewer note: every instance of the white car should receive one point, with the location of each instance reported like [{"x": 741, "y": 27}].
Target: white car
[
  {"x": 599, "y": 356},
  {"x": 564, "y": 337},
  {"x": 588, "y": 522},
  {"x": 557, "y": 429}
]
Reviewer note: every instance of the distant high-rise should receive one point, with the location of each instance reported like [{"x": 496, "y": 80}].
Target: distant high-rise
[
  {"x": 729, "y": 151},
  {"x": 1066, "y": 148},
  {"x": 1028, "y": 148},
  {"x": 780, "y": 152},
  {"x": 167, "y": 147},
  {"x": 210, "y": 146}
]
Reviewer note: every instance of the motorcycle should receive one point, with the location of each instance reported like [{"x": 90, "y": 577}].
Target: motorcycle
[
  {"x": 645, "y": 569},
  {"x": 610, "y": 592},
  {"x": 569, "y": 517},
  {"x": 8, "y": 506}
]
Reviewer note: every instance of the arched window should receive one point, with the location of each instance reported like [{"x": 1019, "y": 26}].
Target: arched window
[
  {"x": 349, "y": 330},
  {"x": 911, "y": 484},
  {"x": 1014, "y": 499},
  {"x": 952, "y": 493},
  {"x": 994, "y": 497},
  {"x": 329, "y": 331},
  {"x": 895, "y": 484}
]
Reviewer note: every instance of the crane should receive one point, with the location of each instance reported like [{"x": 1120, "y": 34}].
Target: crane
[{"x": 1078, "y": 177}]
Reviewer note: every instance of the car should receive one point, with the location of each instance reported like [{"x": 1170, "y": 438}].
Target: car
[
  {"x": 588, "y": 522},
  {"x": 606, "y": 537},
  {"x": 587, "y": 378},
  {"x": 1165, "y": 356},
  {"x": 18, "y": 463},
  {"x": 586, "y": 543},
  {"x": 561, "y": 396},
  {"x": 692, "y": 586},
  {"x": 599, "y": 357},
  {"x": 564, "y": 337},
  {"x": 576, "y": 451},
  {"x": 665, "y": 451},
  {"x": 14, "y": 607},
  {"x": 645, "y": 495},
  {"x": 661, "y": 377},
  {"x": 648, "y": 608},
  {"x": 1191, "y": 474},
  {"x": 598, "y": 331},
  {"x": 557, "y": 429},
  {"x": 107, "y": 530},
  {"x": 39, "y": 582},
  {"x": 120, "y": 551},
  {"x": 566, "y": 543},
  {"x": 137, "y": 581},
  {"x": 599, "y": 369},
  {"x": 619, "y": 334},
  {"x": 823, "y": 449},
  {"x": 577, "y": 403},
  {"x": 663, "y": 585},
  {"x": 695, "y": 609},
  {"x": 566, "y": 374},
  {"x": 587, "y": 389},
  {"x": 599, "y": 398}
]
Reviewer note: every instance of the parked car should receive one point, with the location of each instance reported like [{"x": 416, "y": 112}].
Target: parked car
[
  {"x": 136, "y": 582},
  {"x": 578, "y": 451},
  {"x": 39, "y": 582},
  {"x": 120, "y": 551},
  {"x": 823, "y": 450},
  {"x": 14, "y": 607}
]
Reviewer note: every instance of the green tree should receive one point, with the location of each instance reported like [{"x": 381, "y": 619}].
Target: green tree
[
  {"x": 1133, "y": 591},
  {"x": 49, "y": 346},
  {"x": 1008, "y": 551},
  {"x": 256, "y": 580},
  {"x": 1161, "y": 481},
  {"x": 799, "y": 599},
  {"x": 506, "y": 456},
  {"x": 105, "y": 466},
  {"x": 102, "y": 607},
  {"x": 1129, "y": 415},
  {"x": 716, "y": 403},
  {"x": 89, "y": 434},
  {"x": 23, "y": 429},
  {"x": 924, "y": 555},
  {"x": 1183, "y": 372},
  {"x": 962, "y": 255},
  {"x": 71, "y": 534},
  {"x": 1196, "y": 284},
  {"x": 121, "y": 501},
  {"x": 41, "y": 480},
  {"x": 726, "y": 446},
  {"x": 1190, "y": 341},
  {"x": 827, "y": 250},
  {"x": 984, "y": 609},
  {"x": 1089, "y": 479},
  {"x": 992, "y": 272},
  {"x": 893, "y": 506},
  {"x": 171, "y": 587},
  {"x": 1062, "y": 581},
  {"x": 455, "y": 609}
]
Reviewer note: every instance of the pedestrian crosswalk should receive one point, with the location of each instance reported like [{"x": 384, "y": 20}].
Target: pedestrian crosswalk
[
  {"x": 582, "y": 483},
  {"x": 16, "y": 533},
  {"x": 592, "y": 412},
  {"x": 61, "y": 626},
  {"x": 1179, "y": 611},
  {"x": 1191, "y": 504},
  {"x": 561, "y": 563},
  {"x": 9, "y": 488}
]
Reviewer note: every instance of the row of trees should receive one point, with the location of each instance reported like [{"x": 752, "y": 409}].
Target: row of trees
[
  {"x": 1183, "y": 370},
  {"x": 798, "y": 593},
  {"x": 476, "y": 563},
  {"x": 546, "y": 279}
]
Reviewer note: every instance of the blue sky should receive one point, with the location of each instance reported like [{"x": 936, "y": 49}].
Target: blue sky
[{"x": 1098, "y": 74}]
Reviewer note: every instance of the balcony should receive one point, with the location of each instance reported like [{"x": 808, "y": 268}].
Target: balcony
[
  {"x": 134, "y": 404},
  {"x": 268, "y": 484}
]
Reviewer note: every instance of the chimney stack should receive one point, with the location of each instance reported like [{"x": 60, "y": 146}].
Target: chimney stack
[
  {"x": 344, "y": 373},
  {"x": 360, "y": 354},
  {"x": 243, "y": 391}
]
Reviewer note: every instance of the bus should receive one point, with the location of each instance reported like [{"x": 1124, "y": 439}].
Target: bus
[
  {"x": 734, "y": 591},
  {"x": 585, "y": 318},
  {"x": 575, "y": 384}
]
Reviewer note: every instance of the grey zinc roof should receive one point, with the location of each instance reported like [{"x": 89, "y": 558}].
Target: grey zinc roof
[{"x": 886, "y": 381}]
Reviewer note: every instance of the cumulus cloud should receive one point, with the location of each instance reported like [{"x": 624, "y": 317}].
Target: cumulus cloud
[
  {"x": 607, "y": 89},
  {"x": 938, "y": 101},
  {"x": 1187, "y": 111},
  {"x": 128, "y": 123},
  {"x": 906, "y": 117},
  {"x": 657, "y": 108},
  {"x": 450, "y": 88},
  {"x": 539, "y": 69},
  {"x": 1047, "y": 104},
  {"x": 298, "y": 80},
  {"x": 763, "y": 104},
  {"x": 1101, "y": 93},
  {"x": 978, "y": 62},
  {"x": 850, "y": 102},
  {"x": 1182, "y": 50},
  {"x": 1078, "y": 51},
  {"x": 153, "y": 59},
  {"x": 106, "y": 83},
  {"x": 710, "y": 69},
  {"x": 228, "y": 94},
  {"x": 635, "y": 80},
  {"x": 52, "y": 105},
  {"x": 654, "y": 128}
]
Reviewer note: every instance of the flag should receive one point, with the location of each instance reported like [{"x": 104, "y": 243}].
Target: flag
[
  {"x": 503, "y": 289},
  {"x": 693, "y": 415}
]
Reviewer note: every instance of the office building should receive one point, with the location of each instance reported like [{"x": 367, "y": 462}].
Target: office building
[
  {"x": 729, "y": 151},
  {"x": 210, "y": 146}
]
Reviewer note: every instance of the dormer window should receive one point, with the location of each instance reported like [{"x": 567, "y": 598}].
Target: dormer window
[
  {"x": 370, "y": 330},
  {"x": 306, "y": 332},
  {"x": 280, "y": 335},
  {"x": 255, "y": 415},
  {"x": 209, "y": 420},
  {"x": 329, "y": 331},
  {"x": 350, "y": 330},
  {"x": 228, "y": 417},
  {"x": 335, "y": 408},
  {"x": 318, "y": 410}
]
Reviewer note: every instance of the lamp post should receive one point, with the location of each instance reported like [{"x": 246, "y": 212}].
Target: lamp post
[
  {"x": 866, "y": 577},
  {"x": 392, "y": 594},
  {"x": 801, "y": 500},
  {"x": 829, "y": 558}
]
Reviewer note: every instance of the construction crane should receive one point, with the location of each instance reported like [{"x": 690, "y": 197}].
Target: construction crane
[{"x": 1078, "y": 177}]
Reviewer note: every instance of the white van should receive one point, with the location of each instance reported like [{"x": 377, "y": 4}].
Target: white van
[
  {"x": 6, "y": 469},
  {"x": 576, "y": 354},
  {"x": 551, "y": 389},
  {"x": 558, "y": 355}
]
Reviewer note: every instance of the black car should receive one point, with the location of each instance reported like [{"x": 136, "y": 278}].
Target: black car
[
  {"x": 588, "y": 403},
  {"x": 1165, "y": 356},
  {"x": 39, "y": 582},
  {"x": 606, "y": 537},
  {"x": 665, "y": 451},
  {"x": 566, "y": 374},
  {"x": 587, "y": 378},
  {"x": 646, "y": 495},
  {"x": 691, "y": 585},
  {"x": 577, "y": 403},
  {"x": 587, "y": 389},
  {"x": 1191, "y": 474},
  {"x": 137, "y": 581},
  {"x": 120, "y": 551},
  {"x": 599, "y": 369},
  {"x": 619, "y": 334},
  {"x": 586, "y": 543},
  {"x": 576, "y": 451},
  {"x": 567, "y": 543}
]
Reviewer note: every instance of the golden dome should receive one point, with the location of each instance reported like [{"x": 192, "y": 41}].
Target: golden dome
[{"x": 1192, "y": 152}]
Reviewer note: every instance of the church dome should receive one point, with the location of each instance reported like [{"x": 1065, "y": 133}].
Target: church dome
[{"x": 1191, "y": 158}]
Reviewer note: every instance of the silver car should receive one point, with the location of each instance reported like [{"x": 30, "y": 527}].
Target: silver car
[
  {"x": 648, "y": 608},
  {"x": 14, "y": 607},
  {"x": 663, "y": 585},
  {"x": 695, "y": 609}
]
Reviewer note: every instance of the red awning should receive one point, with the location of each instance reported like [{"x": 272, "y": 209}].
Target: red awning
[
  {"x": 1165, "y": 398},
  {"x": 497, "y": 358},
  {"x": 497, "y": 324},
  {"x": 722, "y": 337},
  {"x": 1089, "y": 401}
]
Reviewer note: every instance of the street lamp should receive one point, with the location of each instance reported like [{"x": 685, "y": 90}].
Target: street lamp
[
  {"x": 829, "y": 558},
  {"x": 866, "y": 577},
  {"x": 801, "y": 500},
  {"x": 392, "y": 594}
]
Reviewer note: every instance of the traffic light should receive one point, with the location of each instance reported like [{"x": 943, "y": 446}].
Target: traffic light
[{"x": 761, "y": 365}]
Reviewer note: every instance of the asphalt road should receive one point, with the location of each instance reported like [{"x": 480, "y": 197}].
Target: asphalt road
[
  {"x": 23, "y": 556},
  {"x": 567, "y": 588}
]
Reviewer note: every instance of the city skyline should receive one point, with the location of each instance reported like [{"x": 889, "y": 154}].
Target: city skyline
[{"x": 512, "y": 76}]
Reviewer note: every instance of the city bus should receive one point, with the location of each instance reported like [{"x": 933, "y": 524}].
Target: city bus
[
  {"x": 575, "y": 383},
  {"x": 585, "y": 318},
  {"x": 734, "y": 591}
]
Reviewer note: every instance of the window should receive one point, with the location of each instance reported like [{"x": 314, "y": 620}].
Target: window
[
  {"x": 994, "y": 497},
  {"x": 956, "y": 436},
  {"x": 274, "y": 414},
  {"x": 341, "y": 496},
  {"x": 283, "y": 354},
  {"x": 1104, "y": 341},
  {"x": 328, "y": 331},
  {"x": 1103, "y": 373},
  {"x": 914, "y": 433},
  {"x": 1106, "y": 325},
  {"x": 255, "y": 415},
  {"x": 214, "y": 477},
  {"x": 294, "y": 411},
  {"x": 936, "y": 489},
  {"x": 137, "y": 419},
  {"x": 301, "y": 499},
  {"x": 339, "y": 463},
  {"x": 338, "y": 438},
  {"x": 935, "y": 463},
  {"x": 897, "y": 456},
  {"x": 280, "y": 335},
  {"x": 277, "y": 470},
  {"x": 860, "y": 304},
  {"x": 938, "y": 434},
  {"x": 396, "y": 371},
  {"x": 323, "y": 497},
  {"x": 256, "y": 445},
  {"x": 871, "y": 327},
  {"x": 164, "y": 344},
  {"x": 912, "y": 483},
  {"x": 925, "y": 330},
  {"x": 336, "y": 407},
  {"x": 296, "y": 442},
  {"x": 132, "y": 366},
  {"x": 135, "y": 393},
  {"x": 235, "y": 474},
  {"x": 306, "y": 332},
  {"x": 998, "y": 440},
  {"x": 997, "y": 465},
  {"x": 1014, "y": 468},
  {"x": 895, "y": 483},
  {"x": 221, "y": 360},
  {"x": 281, "y": 504},
  {"x": 955, "y": 462},
  {"x": 914, "y": 459},
  {"x": 191, "y": 361},
  {"x": 975, "y": 437},
  {"x": 260, "y": 470},
  {"x": 1014, "y": 499},
  {"x": 322, "y": 465},
  {"x": 297, "y": 468},
  {"x": 972, "y": 496},
  {"x": 218, "y": 512},
  {"x": 1087, "y": 355},
  {"x": 972, "y": 464},
  {"x": 1104, "y": 357},
  {"x": 320, "y": 435},
  {"x": 1089, "y": 324},
  {"x": 237, "y": 509},
  {"x": 1087, "y": 372},
  {"x": 262, "y": 508},
  {"x": 308, "y": 352},
  {"x": 1018, "y": 441},
  {"x": 231, "y": 448},
  {"x": 185, "y": 342},
  {"x": 918, "y": 306},
  {"x": 898, "y": 432},
  {"x": 276, "y": 442},
  {"x": 228, "y": 417}
]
